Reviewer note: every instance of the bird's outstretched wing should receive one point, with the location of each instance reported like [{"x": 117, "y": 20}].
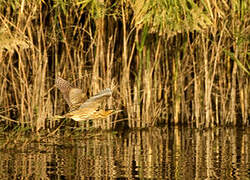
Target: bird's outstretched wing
[
  {"x": 95, "y": 101},
  {"x": 73, "y": 96}
]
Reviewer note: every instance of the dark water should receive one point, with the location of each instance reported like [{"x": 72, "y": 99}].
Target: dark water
[{"x": 157, "y": 153}]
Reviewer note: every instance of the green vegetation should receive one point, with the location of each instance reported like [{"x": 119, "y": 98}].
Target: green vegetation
[{"x": 172, "y": 62}]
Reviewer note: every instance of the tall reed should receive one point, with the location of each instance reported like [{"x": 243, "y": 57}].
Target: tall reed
[{"x": 170, "y": 62}]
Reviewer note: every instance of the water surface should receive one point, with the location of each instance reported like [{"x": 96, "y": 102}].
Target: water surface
[{"x": 156, "y": 153}]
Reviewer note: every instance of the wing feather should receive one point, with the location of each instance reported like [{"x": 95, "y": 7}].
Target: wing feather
[
  {"x": 73, "y": 96},
  {"x": 95, "y": 101}
]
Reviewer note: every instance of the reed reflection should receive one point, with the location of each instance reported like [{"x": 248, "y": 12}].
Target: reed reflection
[{"x": 164, "y": 153}]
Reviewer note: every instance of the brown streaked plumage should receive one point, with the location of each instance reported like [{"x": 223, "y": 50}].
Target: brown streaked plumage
[
  {"x": 81, "y": 110},
  {"x": 73, "y": 96}
]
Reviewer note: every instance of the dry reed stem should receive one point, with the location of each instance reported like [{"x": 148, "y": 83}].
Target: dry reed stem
[{"x": 196, "y": 75}]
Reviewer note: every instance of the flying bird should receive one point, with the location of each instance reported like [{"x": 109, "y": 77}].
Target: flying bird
[{"x": 80, "y": 109}]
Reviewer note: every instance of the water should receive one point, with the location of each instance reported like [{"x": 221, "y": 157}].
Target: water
[{"x": 157, "y": 153}]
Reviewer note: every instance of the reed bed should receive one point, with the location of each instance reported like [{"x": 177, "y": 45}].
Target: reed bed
[{"x": 172, "y": 62}]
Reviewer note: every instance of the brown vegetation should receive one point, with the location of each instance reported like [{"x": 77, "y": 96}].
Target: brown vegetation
[{"x": 173, "y": 62}]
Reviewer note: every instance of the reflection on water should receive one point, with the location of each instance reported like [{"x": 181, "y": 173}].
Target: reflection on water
[{"x": 160, "y": 153}]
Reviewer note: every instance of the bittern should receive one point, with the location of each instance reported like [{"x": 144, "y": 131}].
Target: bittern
[{"x": 80, "y": 110}]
